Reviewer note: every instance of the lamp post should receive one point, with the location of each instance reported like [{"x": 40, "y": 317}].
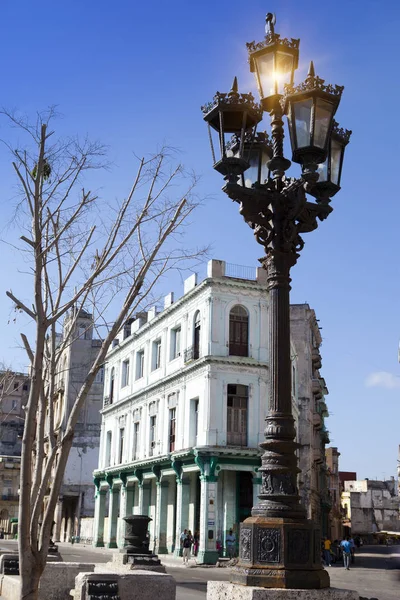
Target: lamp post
[{"x": 279, "y": 546}]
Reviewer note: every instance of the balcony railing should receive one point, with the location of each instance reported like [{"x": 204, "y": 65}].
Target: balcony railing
[
  {"x": 191, "y": 353},
  {"x": 107, "y": 401},
  {"x": 240, "y": 272},
  {"x": 238, "y": 349},
  {"x": 10, "y": 498}
]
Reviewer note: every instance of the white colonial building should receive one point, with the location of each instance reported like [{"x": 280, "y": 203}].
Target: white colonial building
[{"x": 185, "y": 401}]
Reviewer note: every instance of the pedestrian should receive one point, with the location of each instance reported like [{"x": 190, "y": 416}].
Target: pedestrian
[
  {"x": 231, "y": 544},
  {"x": 196, "y": 541},
  {"x": 187, "y": 544},
  {"x": 346, "y": 547},
  {"x": 327, "y": 552},
  {"x": 182, "y": 537}
]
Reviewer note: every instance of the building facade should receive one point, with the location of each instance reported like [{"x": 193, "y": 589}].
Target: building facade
[
  {"x": 185, "y": 400},
  {"x": 312, "y": 410},
  {"x": 371, "y": 506},
  {"x": 76, "y": 499},
  {"x": 14, "y": 390},
  {"x": 335, "y": 531}
]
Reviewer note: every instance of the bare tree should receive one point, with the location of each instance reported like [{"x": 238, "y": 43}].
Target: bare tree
[{"x": 81, "y": 253}]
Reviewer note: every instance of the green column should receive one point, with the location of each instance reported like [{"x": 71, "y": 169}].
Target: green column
[
  {"x": 99, "y": 514},
  {"x": 113, "y": 517},
  {"x": 161, "y": 516}
]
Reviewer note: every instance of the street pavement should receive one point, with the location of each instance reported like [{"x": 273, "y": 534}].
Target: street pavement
[{"x": 375, "y": 574}]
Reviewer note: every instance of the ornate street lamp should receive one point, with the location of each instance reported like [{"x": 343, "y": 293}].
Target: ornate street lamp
[
  {"x": 330, "y": 171},
  {"x": 257, "y": 152},
  {"x": 310, "y": 107},
  {"x": 279, "y": 546},
  {"x": 274, "y": 62},
  {"x": 231, "y": 113}
]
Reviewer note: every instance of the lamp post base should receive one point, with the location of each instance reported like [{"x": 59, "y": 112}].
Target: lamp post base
[{"x": 280, "y": 553}]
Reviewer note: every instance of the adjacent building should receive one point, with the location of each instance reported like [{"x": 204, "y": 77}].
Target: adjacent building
[
  {"x": 76, "y": 499},
  {"x": 312, "y": 410},
  {"x": 371, "y": 506},
  {"x": 14, "y": 390},
  {"x": 335, "y": 529},
  {"x": 185, "y": 400}
]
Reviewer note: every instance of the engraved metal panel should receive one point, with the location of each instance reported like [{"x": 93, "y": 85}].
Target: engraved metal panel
[
  {"x": 299, "y": 546},
  {"x": 103, "y": 590},
  {"x": 268, "y": 545},
  {"x": 11, "y": 566},
  {"x": 245, "y": 544}
]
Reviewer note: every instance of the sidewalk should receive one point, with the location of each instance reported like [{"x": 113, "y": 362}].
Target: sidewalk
[{"x": 169, "y": 560}]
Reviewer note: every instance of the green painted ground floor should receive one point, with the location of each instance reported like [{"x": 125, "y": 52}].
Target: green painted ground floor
[{"x": 207, "y": 493}]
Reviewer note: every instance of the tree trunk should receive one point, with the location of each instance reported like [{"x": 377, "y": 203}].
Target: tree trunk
[{"x": 30, "y": 572}]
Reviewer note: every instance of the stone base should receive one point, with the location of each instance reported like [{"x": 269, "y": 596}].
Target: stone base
[
  {"x": 112, "y": 545},
  {"x": 220, "y": 590},
  {"x": 56, "y": 582},
  {"x": 207, "y": 557},
  {"x": 125, "y": 562},
  {"x": 140, "y": 584}
]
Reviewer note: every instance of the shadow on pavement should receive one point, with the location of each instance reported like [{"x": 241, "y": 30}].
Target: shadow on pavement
[{"x": 200, "y": 586}]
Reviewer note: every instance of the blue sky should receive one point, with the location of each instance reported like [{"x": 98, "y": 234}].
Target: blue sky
[{"x": 134, "y": 74}]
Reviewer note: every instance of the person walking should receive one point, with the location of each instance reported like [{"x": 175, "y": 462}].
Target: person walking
[
  {"x": 327, "y": 552},
  {"x": 187, "y": 544},
  {"x": 231, "y": 544},
  {"x": 182, "y": 537},
  {"x": 346, "y": 547}
]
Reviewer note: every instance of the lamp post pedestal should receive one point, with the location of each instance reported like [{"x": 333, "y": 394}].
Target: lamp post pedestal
[{"x": 280, "y": 553}]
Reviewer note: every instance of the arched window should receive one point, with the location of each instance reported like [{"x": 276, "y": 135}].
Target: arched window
[
  {"x": 238, "y": 331},
  {"x": 196, "y": 335},
  {"x": 112, "y": 378}
]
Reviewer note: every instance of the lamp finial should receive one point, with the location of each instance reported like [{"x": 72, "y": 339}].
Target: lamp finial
[
  {"x": 234, "y": 88},
  {"x": 270, "y": 21}
]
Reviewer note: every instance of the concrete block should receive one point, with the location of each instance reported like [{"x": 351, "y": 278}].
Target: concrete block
[
  {"x": 190, "y": 283},
  {"x": 221, "y": 590},
  {"x": 216, "y": 268},
  {"x": 140, "y": 585},
  {"x": 152, "y": 313},
  {"x": 56, "y": 582},
  {"x": 9, "y": 563},
  {"x": 168, "y": 300}
]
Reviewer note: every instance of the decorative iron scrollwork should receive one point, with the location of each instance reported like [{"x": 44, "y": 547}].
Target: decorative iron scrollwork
[
  {"x": 268, "y": 545},
  {"x": 245, "y": 544}
]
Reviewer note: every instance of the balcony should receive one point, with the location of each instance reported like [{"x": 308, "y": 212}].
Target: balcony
[
  {"x": 317, "y": 420},
  {"x": 238, "y": 349},
  {"x": 316, "y": 358},
  {"x": 107, "y": 401},
  {"x": 191, "y": 353},
  {"x": 10, "y": 498}
]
